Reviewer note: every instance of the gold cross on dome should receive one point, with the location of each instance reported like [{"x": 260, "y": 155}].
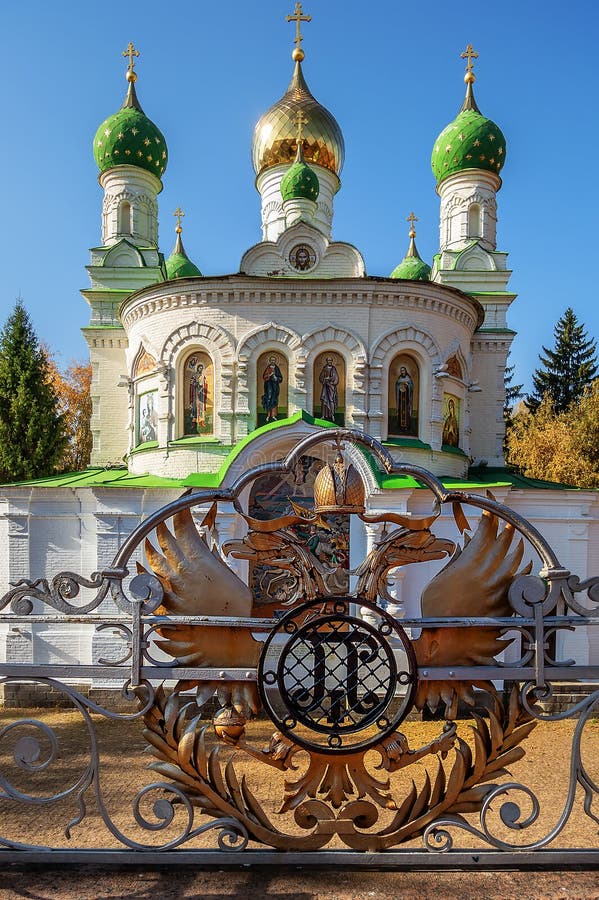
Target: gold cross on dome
[
  {"x": 298, "y": 17},
  {"x": 411, "y": 219},
  {"x": 469, "y": 54},
  {"x": 179, "y": 214},
  {"x": 299, "y": 121},
  {"x": 131, "y": 52}
]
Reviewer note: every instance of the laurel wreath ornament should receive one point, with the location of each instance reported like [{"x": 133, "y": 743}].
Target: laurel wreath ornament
[{"x": 329, "y": 796}]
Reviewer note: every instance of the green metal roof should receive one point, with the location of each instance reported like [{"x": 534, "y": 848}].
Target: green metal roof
[
  {"x": 179, "y": 265},
  {"x": 481, "y": 477}
]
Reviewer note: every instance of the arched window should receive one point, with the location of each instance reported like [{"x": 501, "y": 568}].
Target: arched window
[
  {"x": 197, "y": 382},
  {"x": 329, "y": 387},
  {"x": 474, "y": 229},
  {"x": 272, "y": 377},
  {"x": 125, "y": 217},
  {"x": 404, "y": 388}
]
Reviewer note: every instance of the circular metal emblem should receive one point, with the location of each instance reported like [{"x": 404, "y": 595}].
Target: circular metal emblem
[
  {"x": 335, "y": 683},
  {"x": 302, "y": 257}
]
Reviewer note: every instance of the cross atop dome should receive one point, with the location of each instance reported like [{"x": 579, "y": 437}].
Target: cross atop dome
[
  {"x": 411, "y": 219},
  {"x": 298, "y": 17},
  {"x": 469, "y": 54},
  {"x": 179, "y": 214},
  {"x": 131, "y": 52}
]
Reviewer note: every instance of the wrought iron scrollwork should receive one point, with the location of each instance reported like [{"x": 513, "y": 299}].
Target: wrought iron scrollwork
[
  {"x": 337, "y": 676},
  {"x": 57, "y": 594}
]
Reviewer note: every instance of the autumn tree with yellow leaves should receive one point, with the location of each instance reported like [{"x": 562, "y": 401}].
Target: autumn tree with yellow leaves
[
  {"x": 72, "y": 388},
  {"x": 561, "y": 447}
]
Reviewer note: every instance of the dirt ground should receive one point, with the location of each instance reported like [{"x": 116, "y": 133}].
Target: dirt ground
[
  {"x": 123, "y": 773},
  {"x": 288, "y": 884}
]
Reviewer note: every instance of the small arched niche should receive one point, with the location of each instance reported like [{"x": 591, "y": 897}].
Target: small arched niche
[
  {"x": 124, "y": 215},
  {"x": 474, "y": 221},
  {"x": 453, "y": 367},
  {"x": 272, "y": 388},
  {"x": 197, "y": 384},
  {"x": 451, "y": 420},
  {"x": 144, "y": 363},
  {"x": 329, "y": 387},
  {"x": 403, "y": 396}
]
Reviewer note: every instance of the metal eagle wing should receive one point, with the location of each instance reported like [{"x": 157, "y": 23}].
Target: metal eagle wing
[
  {"x": 197, "y": 582},
  {"x": 475, "y": 582}
]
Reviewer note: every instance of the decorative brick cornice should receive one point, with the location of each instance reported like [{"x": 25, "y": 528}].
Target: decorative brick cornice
[{"x": 426, "y": 297}]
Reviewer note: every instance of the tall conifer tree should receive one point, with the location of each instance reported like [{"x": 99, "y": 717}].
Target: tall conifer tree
[
  {"x": 32, "y": 431},
  {"x": 568, "y": 368},
  {"x": 513, "y": 392}
]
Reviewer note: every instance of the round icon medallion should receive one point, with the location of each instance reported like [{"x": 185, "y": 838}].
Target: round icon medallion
[{"x": 302, "y": 257}]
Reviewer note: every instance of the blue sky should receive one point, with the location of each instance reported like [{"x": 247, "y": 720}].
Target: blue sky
[{"x": 391, "y": 74}]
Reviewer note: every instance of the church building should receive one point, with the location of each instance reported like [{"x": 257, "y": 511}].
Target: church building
[{"x": 195, "y": 379}]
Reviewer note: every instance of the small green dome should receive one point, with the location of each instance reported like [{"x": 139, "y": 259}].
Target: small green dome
[
  {"x": 412, "y": 267},
  {"x": 129, "y": 138},
  {"x": 300, "y": 182},
  {"x": 471, "y": 141},
  {"x": 179, "y": 265}
]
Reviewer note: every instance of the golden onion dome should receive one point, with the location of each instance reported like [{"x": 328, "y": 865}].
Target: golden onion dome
[{"x": 274, "y": 140}]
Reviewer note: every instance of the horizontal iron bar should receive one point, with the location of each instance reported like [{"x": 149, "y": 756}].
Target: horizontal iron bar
[
  {"x": 218, "y": 673},
  {"x": 116, "y": 672},
  {"x": 261, "y": 624},
  {"x": 516, "y": 673},
  {"x": 414, "y": 860},
  {"x": 235, "y": 622}
]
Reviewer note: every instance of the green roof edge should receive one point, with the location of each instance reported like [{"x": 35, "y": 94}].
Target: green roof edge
[{"x": 478, "y": 477}]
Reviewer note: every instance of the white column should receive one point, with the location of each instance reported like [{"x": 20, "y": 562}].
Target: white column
[{"x": 374, "y": 532}]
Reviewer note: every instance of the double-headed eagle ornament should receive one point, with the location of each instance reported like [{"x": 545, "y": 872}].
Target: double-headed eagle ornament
[{"x": 335, "y": 674}]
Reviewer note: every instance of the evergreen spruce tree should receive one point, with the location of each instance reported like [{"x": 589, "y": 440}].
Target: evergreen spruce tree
[
  {"x": 513, "y": 392},
  {"x": 567, "y": 369},
  {"x": 32, "y": 431}
]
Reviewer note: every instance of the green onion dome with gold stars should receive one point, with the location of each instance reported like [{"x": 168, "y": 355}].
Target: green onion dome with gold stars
[
  {"x": 471, "y": 141},
  {"x": 412, "y": 267},
  {"x": 129, "y": 138},
  {"x": 179, "y": 265},
  {"x": 300, "y": 182}
]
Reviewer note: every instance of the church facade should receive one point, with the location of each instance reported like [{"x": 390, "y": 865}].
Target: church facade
[{"x": 197, "y": 379}]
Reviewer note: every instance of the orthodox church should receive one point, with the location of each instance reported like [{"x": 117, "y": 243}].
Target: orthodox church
[{"x": 197, "y": 379}]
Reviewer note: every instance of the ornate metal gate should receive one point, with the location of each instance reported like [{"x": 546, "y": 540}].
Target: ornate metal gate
[{"x": 335, "y": 680}]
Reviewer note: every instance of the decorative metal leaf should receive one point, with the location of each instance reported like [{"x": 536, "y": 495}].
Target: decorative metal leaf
[
  {"x": 215, "y": 773},
  {"x": 423, "y": 798},
  {"x": 254, "y": 806},
  {"x": 439, "y": 785},
  {"x": 234, "y": 788}
]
